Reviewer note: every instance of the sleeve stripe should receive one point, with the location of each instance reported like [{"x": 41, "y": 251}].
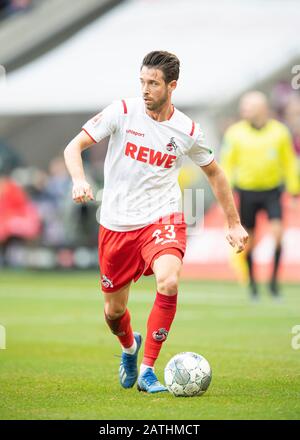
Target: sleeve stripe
[
  {"x": 124, "y": 106},
  {"x": 193, "y": 129},
  {"x": 83, "y": 129}
]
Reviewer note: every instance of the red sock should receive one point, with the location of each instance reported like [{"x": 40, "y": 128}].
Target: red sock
[
  {"x": 158, "y": 326},
  {"x": 121, "y": 327}
]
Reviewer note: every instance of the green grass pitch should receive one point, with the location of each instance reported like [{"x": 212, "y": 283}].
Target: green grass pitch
[{"x": 60, "y": 358}]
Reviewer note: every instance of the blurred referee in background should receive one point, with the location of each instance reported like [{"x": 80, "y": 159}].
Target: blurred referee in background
[{"x": 258, "y": 157}]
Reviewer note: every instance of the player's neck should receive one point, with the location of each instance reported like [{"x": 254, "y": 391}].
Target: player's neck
[{"x": 163, "y": 114}]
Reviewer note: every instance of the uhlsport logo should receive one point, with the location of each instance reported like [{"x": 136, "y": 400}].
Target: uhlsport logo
[
  {"x": 171, "y": 146},
  {"x": 160, "y": 335},
  {"x": 106, "y": 282},
  {"x": 97, "y": 118}
]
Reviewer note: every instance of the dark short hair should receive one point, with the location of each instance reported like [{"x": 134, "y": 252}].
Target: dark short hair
[{"x": 167, "y": 62}]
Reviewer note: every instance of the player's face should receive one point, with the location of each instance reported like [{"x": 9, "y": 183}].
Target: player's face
[{"x": 155, "y": 90}]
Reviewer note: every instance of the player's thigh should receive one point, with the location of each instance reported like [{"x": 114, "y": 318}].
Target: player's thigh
[
  {"x": 248, "y": 209},
  {"x": 119, "y": 259},
  {"x": 272, "y": 204},
  {"x": 115, "y": 303},
  {"x": 166, "y": 269}
]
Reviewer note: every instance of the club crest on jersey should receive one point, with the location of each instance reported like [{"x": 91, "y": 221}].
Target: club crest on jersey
[
  {"x": 171, "y": 146},
  {"x": 160, "y": 335},
  {"x": 106, "y": 282}
]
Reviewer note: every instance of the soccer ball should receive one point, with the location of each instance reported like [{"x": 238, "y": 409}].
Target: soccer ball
[{"x": 187, "y": 374}]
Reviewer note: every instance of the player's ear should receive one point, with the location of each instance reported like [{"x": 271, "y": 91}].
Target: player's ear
[{"x": 172, "y": 85}]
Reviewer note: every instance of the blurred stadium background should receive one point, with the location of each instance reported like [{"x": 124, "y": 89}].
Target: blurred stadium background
[
  {"x": 63, "y": 64},
  {"x": 63, "y": 61}
]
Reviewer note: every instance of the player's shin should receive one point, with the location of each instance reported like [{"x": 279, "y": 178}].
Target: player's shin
[
  {"x": 277, "y": 256},
  {"x": 121, "y": 327},
  {"x": 158, "y": 326},
  {"x": 274, "y": 288}
]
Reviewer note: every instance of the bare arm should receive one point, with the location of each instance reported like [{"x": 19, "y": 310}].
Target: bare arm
[
  {"x": 237, "y": 236},
  {"x": 82, "y": 190}
]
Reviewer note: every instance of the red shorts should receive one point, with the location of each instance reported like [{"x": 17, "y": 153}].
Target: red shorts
[{"x": 125, "y": 256}]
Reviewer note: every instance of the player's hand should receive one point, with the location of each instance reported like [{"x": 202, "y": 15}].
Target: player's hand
[
  {"x": 237, "y": 237},
  {"x": 82, "y": 191}
]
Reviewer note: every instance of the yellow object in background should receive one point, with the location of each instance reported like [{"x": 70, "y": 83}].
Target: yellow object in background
[
  {"x": 188, "y": 176},
  {"x": 239, "y": 263}
]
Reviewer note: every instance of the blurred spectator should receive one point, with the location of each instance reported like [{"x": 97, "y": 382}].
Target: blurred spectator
[
  {"x": 48, "y": 193},
  {"x": 54, "y": 207},
  {"x": 58, "y": 182},
  {"x": 9, "y": 159},
  {"x": 80, "y": 219},
  {"x": 64, "y": 223},
  {"x": 8, "y": 7},
  {"x": 19, "y": 217},
  {"x": 20, "y": 5},
  {"x": 3, "y": 5},
  {"x": 70, "y": 224},
  {"x": 280, "y": 95},
  {"x": 292, "y": 119}
]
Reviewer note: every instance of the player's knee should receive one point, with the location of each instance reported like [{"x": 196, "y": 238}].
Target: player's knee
[
  {"x": 114, "y": 311},
  {"x": 168, "y": 285}
]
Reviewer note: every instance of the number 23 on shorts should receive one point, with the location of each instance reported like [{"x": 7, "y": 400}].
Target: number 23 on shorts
[{"x": 168, "y": 233}]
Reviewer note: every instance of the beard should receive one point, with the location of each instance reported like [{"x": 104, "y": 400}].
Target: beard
[{"x": 157, "y": 105}]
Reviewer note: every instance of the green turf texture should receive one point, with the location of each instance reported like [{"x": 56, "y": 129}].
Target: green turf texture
[{"x": 60, "y": 359}]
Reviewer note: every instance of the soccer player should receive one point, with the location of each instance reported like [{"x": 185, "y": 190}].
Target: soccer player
[
  {"x": 258, "y": 157},
  {"x": 142, "y": 230}
]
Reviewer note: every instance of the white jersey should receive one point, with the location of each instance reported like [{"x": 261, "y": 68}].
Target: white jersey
[{"x": 143, "y": 161}]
